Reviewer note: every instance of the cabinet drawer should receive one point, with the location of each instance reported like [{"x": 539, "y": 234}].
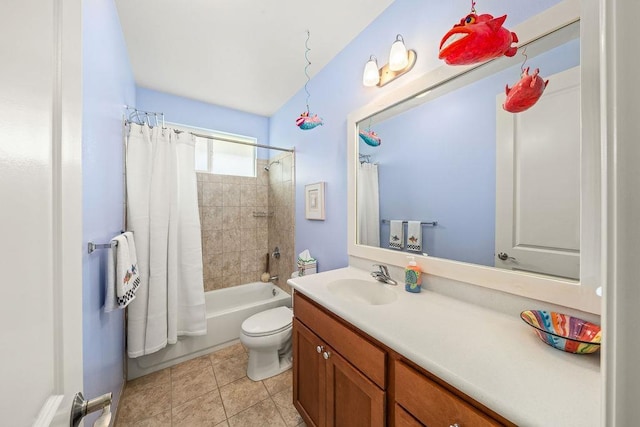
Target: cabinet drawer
[
  {"x": 433, "y": 405},
  {"x": 404, "y": 419},
  {"x": 369, "y": 359}
]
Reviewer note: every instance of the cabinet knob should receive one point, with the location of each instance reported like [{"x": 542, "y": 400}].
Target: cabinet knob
[
  {"x": 454, "y": 425},
  {"x": 319, "y": 349},
  {"x": 326, "y": 355}
]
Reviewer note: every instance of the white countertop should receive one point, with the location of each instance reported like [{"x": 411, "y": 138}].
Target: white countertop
[{"x": 494, "y": 358}]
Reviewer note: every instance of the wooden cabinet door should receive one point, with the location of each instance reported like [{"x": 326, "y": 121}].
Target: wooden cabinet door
[
  {"x": 309, "y": 373},
  {"x": 352, "y": 399}
]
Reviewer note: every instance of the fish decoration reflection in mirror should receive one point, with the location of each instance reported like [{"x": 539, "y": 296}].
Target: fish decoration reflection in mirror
[
  {"x": 370, "y": 138},
  {"x": 477, "y": 38},
  {"x": 524, "y": 94}
]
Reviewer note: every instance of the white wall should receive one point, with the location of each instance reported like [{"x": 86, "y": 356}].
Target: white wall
[{"x": 622, "y": 289}]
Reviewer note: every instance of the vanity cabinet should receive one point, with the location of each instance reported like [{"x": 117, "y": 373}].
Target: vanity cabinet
[
  {"x": 328, "y": 389},
  {"x": 342, "y": 378},
  {"x": 428, "y": 403}
]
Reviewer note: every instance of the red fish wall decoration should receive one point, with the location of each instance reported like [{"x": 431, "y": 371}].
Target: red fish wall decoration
[
  {"x": 477, "y": 38},
  {"x": 524, "y": 94}
]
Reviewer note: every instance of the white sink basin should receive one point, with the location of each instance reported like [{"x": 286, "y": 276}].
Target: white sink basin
[{"x": 368, "y": 292}]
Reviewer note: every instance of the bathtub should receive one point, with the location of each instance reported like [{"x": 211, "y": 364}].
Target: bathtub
[{"x": 226, "y": 310}]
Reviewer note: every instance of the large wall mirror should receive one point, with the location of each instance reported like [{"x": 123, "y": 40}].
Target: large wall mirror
[{"x": 494, "y": 190}]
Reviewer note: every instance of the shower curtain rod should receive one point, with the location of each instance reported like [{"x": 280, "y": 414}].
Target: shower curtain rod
[
  {"x": 222, "y": 138},
  {"x": 133, "y": 111}
]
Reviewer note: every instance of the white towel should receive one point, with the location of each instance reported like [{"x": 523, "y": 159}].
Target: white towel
[
  {"x": 122, "y": 273},
  {"x": 396, "y": 234},
  {"x": 134, "y": 277},
  {"x": 414, "y": 239},
  {"x": 127, "y": 279},
  {"x": 110, "y": 302}
]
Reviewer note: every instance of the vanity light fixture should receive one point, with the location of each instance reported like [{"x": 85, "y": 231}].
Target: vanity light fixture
[
  {"x": 401, "y": 61},
  {"x": 371, "y": 75},
  {"x": 398, "y": 55}
]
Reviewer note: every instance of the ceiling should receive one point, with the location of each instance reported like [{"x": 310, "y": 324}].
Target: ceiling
[{"x": 242, "y": 54}]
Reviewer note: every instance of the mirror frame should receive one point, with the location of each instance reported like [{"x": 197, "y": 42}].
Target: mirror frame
[{"x": 578, "y": 295}]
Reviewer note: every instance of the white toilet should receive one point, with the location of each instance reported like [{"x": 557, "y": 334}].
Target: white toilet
[{"x": 267, "y": 335}]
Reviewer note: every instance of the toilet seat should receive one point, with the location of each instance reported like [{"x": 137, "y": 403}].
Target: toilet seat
[{"x": 268, "y": 322}]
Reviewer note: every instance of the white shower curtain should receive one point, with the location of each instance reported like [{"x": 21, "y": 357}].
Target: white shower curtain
[
  {"x": 368, "y": 205},
  {"x": 162, "y": 212}
]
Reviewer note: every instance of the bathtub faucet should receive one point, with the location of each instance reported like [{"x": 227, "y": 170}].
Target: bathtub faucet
[{"x": 274, "y": 278}]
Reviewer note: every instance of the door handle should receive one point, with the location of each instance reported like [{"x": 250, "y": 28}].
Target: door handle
[
  {"x": 81, "y": 407},
  {"x": 505, "y": 256}
]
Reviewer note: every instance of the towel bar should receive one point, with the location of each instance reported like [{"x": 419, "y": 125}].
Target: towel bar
[
  {"x": 93, "y": 246},
  {"x": 432, "y": 223}
]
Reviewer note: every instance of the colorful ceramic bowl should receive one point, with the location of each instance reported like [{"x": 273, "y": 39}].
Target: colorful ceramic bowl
[{"x": 564, "y": 332}]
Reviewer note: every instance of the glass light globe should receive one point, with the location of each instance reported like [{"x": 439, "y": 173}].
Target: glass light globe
[
  {"x": 398, "y": 56},
  {"x": 371, "y": 75}
]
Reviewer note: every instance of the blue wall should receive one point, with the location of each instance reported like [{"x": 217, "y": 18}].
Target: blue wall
[
  {"x": 107, "y": 86},
  {"x": 321, "y": 154},
  {"x": 189, "y": 112},
  {"x": 437, "y": 162}
]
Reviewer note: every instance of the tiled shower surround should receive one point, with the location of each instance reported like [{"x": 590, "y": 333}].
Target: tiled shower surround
[{"x": 235, "y": 241}]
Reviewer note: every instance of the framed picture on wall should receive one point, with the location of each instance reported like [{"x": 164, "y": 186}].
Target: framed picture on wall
[{"x": 314, "y": 201}]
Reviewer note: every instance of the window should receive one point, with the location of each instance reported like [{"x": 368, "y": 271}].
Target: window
[{"x": 219, "y": 156}]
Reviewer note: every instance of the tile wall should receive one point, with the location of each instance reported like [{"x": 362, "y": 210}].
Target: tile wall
[
  {"x": 234, "y": 241},
  {"x": 282, "y": 223}
]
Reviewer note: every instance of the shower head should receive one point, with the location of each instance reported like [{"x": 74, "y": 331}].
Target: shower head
[{"x": 269, "y": 165}]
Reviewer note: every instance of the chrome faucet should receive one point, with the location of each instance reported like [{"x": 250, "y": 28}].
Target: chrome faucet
[{"x": 382, "y": 275}]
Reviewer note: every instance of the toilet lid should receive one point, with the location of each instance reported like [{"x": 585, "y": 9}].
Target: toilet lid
[{"x": 268, "y": 322}]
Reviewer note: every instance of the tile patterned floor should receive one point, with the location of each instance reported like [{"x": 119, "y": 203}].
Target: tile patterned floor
[{"x": 211, "y": 390}]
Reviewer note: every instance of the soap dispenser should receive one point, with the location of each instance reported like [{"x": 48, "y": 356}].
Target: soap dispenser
[{"x": 412, "y": 276}]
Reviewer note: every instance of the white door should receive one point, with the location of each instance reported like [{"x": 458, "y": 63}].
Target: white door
[
  {"x": 538, "y": 182},
  {"x": 40, "y": 214}
]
